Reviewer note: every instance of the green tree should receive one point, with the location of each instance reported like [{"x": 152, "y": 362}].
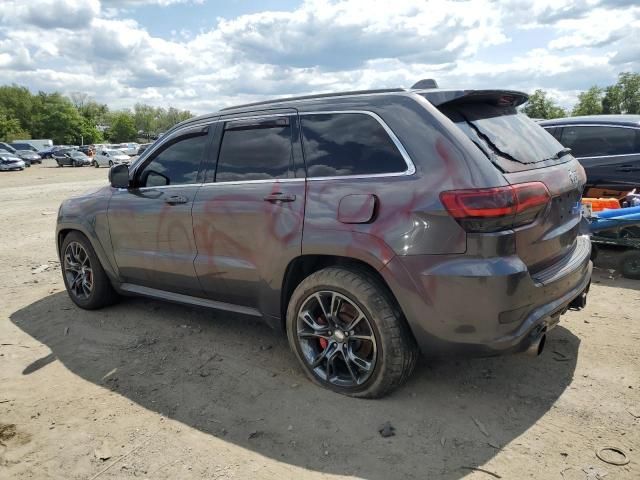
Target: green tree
[
  {"x": 17, "y": 103},
  {"x": 123, "y": 128},
  {"x": 624, "y": 96},
  {"x": 9, "y": 128},
  {"x": 589, "y": 102},
  {"x": 55, "y": 117},
  {"x": 145, "y": 118},
  {"x": 540, "y": 106}
]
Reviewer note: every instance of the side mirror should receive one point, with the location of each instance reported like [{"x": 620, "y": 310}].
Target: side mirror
[{"x": 119, "y": 176}]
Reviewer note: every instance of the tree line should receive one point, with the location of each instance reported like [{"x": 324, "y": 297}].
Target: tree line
[
  {"x": 622, "y": 97},
  {"x": 77, "y": 118}
]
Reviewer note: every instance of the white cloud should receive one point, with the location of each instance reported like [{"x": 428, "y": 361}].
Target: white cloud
[
  {"x": 98, "y": 48},
  {"x": 46, "y": 14}
]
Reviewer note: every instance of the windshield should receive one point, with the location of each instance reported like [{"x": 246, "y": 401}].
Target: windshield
[
  {"x": 508, "y": 138},
  {"x": 115, "y": 152}
]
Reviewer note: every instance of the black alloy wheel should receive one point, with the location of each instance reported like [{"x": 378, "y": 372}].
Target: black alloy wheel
[{"x": 336, "y": 339}]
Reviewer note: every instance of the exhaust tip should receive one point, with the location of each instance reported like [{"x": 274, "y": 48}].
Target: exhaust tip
[{"x": 537, "y": 345}]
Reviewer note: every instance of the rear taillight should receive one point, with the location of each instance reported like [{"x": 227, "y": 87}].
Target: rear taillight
[{"x": 494, "y": 209}]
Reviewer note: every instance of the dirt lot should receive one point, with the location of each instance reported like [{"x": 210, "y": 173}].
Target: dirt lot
[{"x": 152, "y": 390}]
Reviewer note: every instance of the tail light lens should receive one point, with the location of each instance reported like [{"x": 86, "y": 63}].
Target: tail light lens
[{"x": 494, "y": 209}]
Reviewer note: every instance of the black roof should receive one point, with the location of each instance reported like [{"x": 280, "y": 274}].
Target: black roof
[{"x": 622, "y": 120}]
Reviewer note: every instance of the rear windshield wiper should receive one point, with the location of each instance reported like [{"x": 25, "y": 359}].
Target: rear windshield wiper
[
  {"x": 559, "y": 155},
  {"x": 563, "y": 152}
]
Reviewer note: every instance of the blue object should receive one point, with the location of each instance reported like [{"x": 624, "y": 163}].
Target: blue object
[
  {"x": 618, "y": 212},
  {"x": 598, "y": 224}
]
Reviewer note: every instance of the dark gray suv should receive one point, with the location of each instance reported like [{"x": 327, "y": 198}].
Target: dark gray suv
[{"x": 367, "y": 225}]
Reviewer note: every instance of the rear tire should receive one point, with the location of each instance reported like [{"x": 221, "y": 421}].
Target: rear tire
[
  {"x": 78, "y": 259},
  {"x": 630, "y": 264},
  {"x": 381, "y": 339}
]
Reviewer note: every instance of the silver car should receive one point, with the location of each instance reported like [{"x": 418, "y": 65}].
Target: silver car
[{"x": 9, "y": 161}]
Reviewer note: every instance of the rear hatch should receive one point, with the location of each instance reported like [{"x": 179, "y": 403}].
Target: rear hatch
[{"x": 524, "y": 152}]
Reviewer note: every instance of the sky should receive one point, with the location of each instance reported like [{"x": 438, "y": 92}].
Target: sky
[{"x": 203, "y": 55}]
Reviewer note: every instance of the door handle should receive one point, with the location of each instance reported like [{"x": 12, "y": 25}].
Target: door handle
[
  {"x": 279, "y": 197},
  {"x": 176, "y": 199}
]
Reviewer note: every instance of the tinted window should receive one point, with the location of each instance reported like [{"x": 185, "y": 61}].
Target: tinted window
[
  {"x": 177, "y": 163},
  {"x": 348, "y": 144},
  {"x": 255, "y": 151},
  {"x": 600, "y": 141},
  {"x": 503, "y": 134}
]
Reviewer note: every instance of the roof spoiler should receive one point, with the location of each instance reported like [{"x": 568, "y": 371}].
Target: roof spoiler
[
  {"x": 500, "y": 98},
  {"x": 424, "y": 83}
]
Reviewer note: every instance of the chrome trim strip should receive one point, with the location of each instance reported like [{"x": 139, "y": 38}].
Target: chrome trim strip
[
  {"x": 162, "y": 187},
  {"x": 568, "y": 125},
  {"x": 618, "y": 155},
  {"x": 266, "y": 180},
  {"x": 180, "y": 298}
]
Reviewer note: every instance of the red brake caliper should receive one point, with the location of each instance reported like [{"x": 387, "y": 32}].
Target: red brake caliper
[{"x": 323, "y": 341}]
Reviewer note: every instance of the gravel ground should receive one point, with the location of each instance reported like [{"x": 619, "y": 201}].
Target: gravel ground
[{"x": 152, "y": 390}]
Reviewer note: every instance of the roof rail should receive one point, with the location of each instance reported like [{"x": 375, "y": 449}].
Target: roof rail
[{"x": 319, "y": 95}]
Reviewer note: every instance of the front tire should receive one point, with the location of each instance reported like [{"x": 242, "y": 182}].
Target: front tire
[
  {"x": 348, "y": 335},
  {"x": 84, "y": 278},
  {"x": 630, "y": 264}
]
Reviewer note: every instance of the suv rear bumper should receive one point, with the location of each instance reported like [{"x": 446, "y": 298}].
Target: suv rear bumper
[{"x": 484, "y": 306}]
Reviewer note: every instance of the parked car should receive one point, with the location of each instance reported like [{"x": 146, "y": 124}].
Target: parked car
[
  {"x": 23, "y": 146},
  {"x": 110, "y": 157},
  {"x": 9, "y": 161},
  {"x": 607, "y": 146},
  {"x": 37, "y": 143},
  {"x": 142, "y": 148},
  {"x": 5, "y": 147},
  {"x": 128, "y": 148},
  {"x": 410, "y": 201},
  {"x": 71, "y": 158},
  {"x": 29, "y": 156},
  {"x": 48, "y": 153}
]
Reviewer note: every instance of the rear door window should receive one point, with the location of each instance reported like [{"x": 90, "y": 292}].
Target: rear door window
[
  {"x": 339, "y": 144},
  {"x": 599, "y": 141},
  {"x": 255, "y": 150},
  {"x": 510, "y": 139}
]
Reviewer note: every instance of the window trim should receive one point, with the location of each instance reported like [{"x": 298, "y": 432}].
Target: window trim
[
  {"x": 569, "y": 125},
  {"x": 411, "y": 169}
]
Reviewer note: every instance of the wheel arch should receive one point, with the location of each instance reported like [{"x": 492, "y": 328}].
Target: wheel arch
[
  {"x": 302, "y": 266},
  {"x": 64, "y": 230}
]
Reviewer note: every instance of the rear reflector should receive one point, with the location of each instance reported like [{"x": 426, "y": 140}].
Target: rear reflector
[{"x": 495, "y": 209}]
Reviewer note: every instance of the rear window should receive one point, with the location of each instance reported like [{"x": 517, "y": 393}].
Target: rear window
[
  {"x": 597, "y": 141},
  {"x": 339, "y": 144},
  {"x": 510, "y": 139}
]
